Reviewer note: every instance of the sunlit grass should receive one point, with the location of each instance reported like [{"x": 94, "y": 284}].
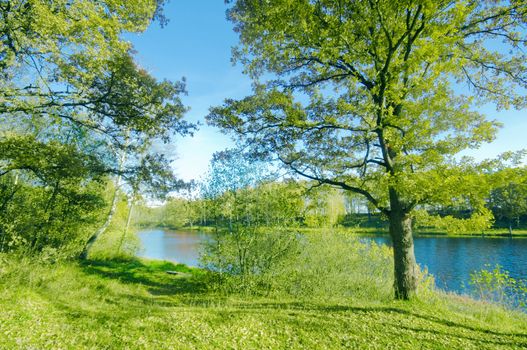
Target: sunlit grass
[{"x": 136, "y": 304}]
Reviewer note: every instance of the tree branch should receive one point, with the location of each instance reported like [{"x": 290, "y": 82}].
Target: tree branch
[{"x": 340, "y": 184}]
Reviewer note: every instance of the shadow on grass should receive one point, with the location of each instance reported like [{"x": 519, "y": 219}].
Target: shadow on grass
[
  {"x": 188, "y": 285},
  {"x": 388, "y": 311},
  {"x": 152, "y": 275}
]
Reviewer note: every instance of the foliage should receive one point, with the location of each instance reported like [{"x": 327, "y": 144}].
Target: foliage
[
  {"x": 508, "y": 199},
  {"x": 177, "y": 213},
  {"x": 79, "y": 74},
  {"x": 497, "y": 285},
  {"x": 118, "y": 242},
  {"x": 241, "y": 202},
  {"x": 365, "y": 96},
  {"x": 147, "y": 216},
  {"x": 324, "y": 206},
  {"x": 75, "y": 110},
  {"x": 338, "y": 265},
  {"x": 268, "y": 203},
  {"x": 476, "y": 222},
  {"x": 248, "y": 259},
  {"x": 239, "y": 191},
  {"x": 394, "y": 119},
  {"x": 322, "y": 265},
  {"x": 53, "y": 216},
  {"x": 231, "y": 170},
  {"x": 229, "y": 174}
]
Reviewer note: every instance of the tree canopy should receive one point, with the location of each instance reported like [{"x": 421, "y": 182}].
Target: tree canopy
[
  {"x": 67, "y": 63},
  {"x": 75, "y": 107}
]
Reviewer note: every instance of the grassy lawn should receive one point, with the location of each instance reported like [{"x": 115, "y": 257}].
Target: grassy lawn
[{"x": 136, "y": 304}]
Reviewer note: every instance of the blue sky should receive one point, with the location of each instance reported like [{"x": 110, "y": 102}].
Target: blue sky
[{"x": 196, "y": 44}]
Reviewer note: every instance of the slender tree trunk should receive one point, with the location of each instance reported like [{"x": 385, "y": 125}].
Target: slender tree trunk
[
  {"x": 405, "y": 267},
  {"x": 109, "y": 217},
  {"x": 102, "y": 229},
  {"x": 126, "y": 228}
]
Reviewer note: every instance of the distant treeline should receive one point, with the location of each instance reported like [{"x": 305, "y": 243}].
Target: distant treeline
[{"x": 306, "y": 205}]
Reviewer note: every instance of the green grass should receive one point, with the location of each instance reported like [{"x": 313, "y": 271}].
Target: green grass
[
  {"x": 490, "y": 233},
  {"x": 135, "y": 304},
  {"x": 423, "y": 232}
]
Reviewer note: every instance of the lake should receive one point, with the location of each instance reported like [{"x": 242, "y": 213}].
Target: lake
[
  {"x": 452, "y": 259},
  {"x": 449, "y": 259},
  {"x": 178, "y": 246}
]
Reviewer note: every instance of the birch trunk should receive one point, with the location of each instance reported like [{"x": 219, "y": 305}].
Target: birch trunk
[{"x": 93, "y": 238}]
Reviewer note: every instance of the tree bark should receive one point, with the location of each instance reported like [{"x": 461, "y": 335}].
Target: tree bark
[
  {"x": 109, "y": 217},
  {"x": 100, "y": 231},
  {"x": 405, "y": 267},
  {"x": 125, "y": 231}
]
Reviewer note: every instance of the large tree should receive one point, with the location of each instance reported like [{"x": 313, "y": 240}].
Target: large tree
[{"x": 377, "y": 97}]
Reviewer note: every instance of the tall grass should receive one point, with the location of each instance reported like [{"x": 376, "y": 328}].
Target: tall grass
[
  {"x": 324, "y": 265},
  {"x": 136, "y": 304}
]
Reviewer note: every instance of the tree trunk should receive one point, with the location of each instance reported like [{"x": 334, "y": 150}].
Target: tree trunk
[
  {"x": 405, "y": 267},
  {"x": 100, "y": 231},
  {"x": 127, "y": 226},
  {"x": 109, "y": 217}
]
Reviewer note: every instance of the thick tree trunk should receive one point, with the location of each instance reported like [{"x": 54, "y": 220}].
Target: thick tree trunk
[{"x": 405, "y": 267}]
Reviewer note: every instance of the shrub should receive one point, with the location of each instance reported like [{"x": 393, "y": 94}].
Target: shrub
[
  {"x": 334, "y": 265},
  {"x": 318, "y": 265},
  {"x": 498, "y": 286},
  {"x": 246, "y": 259}
]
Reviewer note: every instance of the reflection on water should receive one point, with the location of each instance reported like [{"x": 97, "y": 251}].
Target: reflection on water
[
  {"x": 178, "y": 246},
  {"x": 450, "y": 260}
]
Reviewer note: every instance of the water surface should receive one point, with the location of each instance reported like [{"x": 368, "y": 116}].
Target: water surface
[
  {"x": 452, "y": 259},
  {"x": 449, "y": 259},
  {"x": 177, "y": 246}
]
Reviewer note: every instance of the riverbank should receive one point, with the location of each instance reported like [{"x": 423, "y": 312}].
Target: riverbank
[
  {"x": 490, "y": 233},
  {"x": 137, "y": 304}
]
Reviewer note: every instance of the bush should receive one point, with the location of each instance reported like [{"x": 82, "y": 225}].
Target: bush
[
  {"x": 321, "y": 265},
  {"x": 247, "y": 259},
  {"x": 38, "y": 218},
  {"x": 498, "y": 286},
  {"x": 336, "y": 265}
]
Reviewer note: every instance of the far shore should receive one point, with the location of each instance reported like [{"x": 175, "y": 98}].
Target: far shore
[{"x": 370, "y": 231}]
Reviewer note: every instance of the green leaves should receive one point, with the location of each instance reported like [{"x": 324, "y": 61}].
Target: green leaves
[
  {"x": 498, "y": 286},
  {"x": 133, "y": 100},
  {"x": 367, "y": 95},
  {"x": 73, "y": 107},
  {"x": 68, "y": 61},
  {"x": 48, "y": 161}
]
